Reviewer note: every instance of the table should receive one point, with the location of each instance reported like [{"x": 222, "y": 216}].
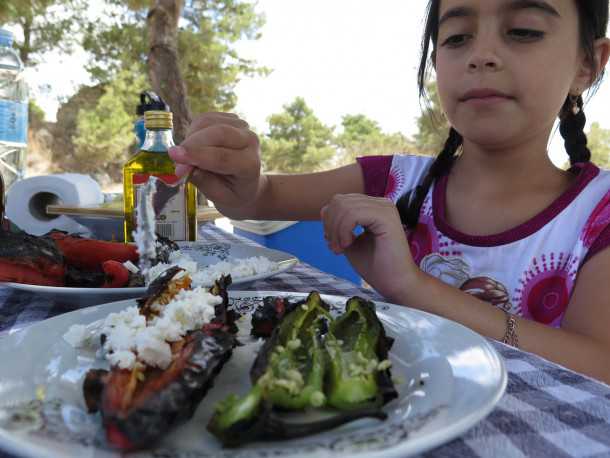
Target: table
[
  {"x": 547, "y": 411},
  {"x": 204, "y": 213}
]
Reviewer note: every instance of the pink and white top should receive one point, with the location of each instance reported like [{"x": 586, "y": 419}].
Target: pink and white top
[{"x": 529, "y": 270}]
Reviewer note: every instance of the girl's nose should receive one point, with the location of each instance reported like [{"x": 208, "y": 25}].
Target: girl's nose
[{"x": 484, "y": 58}]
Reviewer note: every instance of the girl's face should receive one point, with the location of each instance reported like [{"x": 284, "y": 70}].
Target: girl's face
[{"x": 505, "y": 67}]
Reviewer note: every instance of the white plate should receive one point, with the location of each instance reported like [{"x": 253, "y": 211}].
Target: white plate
[
  {"x": 204, "y": 253},
  {"x": 463, "y": 379}
]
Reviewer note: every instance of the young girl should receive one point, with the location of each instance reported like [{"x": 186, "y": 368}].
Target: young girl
[{"x": 489, "y": 234}]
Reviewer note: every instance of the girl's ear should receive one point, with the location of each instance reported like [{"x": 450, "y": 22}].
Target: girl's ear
[{"x": 588, "y": 74}]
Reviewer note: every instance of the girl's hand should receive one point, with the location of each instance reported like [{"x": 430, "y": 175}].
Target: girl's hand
[
  {"x": 381, "y": 254},
  {"x": 226, "y": 154}
]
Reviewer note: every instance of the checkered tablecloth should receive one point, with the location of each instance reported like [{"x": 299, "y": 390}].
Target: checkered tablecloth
[{"x": 547, "y": 411}]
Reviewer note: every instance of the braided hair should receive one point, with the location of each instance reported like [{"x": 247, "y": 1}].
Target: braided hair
[
  {"x": 571, "y": 127},
  {"x": 593, "y": 22},
  {"x": 410, "y": 203}
]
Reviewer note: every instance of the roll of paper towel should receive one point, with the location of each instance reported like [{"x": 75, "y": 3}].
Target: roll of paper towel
[{"x": 27, "y": 200}]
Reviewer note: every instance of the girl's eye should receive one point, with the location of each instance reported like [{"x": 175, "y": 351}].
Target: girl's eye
[
  {"x": 455, "y": 40},
  {"x": 526, "y": 35}
]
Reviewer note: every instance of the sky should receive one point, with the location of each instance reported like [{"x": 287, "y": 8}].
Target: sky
[{"x": 341, "y": 56}]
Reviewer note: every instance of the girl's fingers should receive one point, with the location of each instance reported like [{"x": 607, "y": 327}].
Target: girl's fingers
[
  {"x": 326, "y": 214},
  {"x": 218, "y": 160},
  {"x": 220, "y": 135},
  {"x": 209, "y": 119},
  {"x": 183, "y": 169},
  {"x": 336, "y": 219},
  {"x": 214, "y": 187},
  {"x": 345, "y": 213},
  {"x": 345, "y": 229}
]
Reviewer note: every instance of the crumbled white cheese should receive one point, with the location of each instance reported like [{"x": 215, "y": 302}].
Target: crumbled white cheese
[
  {"x": 84, "y": 336},
  {"x": 76, "y": 335},
  {"x": 152, "y": 349},
  {"x": 123, "y": 359},
  {"x": 129, "y": 338}
]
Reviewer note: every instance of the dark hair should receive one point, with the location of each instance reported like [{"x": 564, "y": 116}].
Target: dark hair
[{"x": 593, "y": 22}]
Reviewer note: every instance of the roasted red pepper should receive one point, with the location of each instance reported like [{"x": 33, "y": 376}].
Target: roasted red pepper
[
  {"x": 25, "y": 258},
  {"x": 13, "y": 271},
  {"x": 141, "y": 405},
  {"x": 117, "y": 275},
  {"x": 90, "y": 254}
]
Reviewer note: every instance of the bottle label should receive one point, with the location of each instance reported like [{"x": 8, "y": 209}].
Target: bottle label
[
  {"x": 172, "y": 222},
  {"x": 13, "y": 121}
]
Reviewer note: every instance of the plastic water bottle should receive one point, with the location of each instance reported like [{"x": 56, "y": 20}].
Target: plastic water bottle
[{"x": 13, "y": 112}]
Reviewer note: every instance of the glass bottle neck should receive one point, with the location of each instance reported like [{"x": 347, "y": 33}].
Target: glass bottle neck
[{"x": 158, "y": 140}]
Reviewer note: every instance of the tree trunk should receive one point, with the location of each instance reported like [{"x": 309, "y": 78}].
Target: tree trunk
[
  {"x": 24, "y": 51},
  {"x": 163, "y": 62}
]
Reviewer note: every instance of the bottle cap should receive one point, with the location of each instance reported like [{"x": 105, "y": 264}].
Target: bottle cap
[
  {"x": 156, "y": 119},
  {"x": 150, "y": 101},
  {"x": 6, "y": 38}
]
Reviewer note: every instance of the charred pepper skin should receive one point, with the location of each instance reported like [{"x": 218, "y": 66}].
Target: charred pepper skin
[
  {"x": 299, "y": 345},
  {"x": 62, "y": 259},
  {"x": 172, "y": 403},
  {"x": 238, "y": 420},
  {"x": 59, "y": 259},
  {"x": 25, "y": 258},
  {"x": 267, "y": 315},
  {"x": 139, "y": 407}
]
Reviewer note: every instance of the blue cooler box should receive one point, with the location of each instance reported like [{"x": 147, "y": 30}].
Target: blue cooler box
[{"x": 303, "y": 239}]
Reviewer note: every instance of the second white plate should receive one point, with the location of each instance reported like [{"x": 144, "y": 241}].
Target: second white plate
[{"x": 204, "y": 253}]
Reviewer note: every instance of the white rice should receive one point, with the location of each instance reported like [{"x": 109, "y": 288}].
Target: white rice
[{"x": 205, "y": 276}]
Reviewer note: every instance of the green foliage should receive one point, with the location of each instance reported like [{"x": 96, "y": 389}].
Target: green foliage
[
  {"x": 599, "y": 144},
  {"x": 362, "y": 136},
  {"x": 433, "y": 127},
  {"x": 46, "y": 25},
  {"x": 35, "y": 114},
  {"x": 297, "y": 141},
  {"x": 105, "y": 131},
  {"x": 207, "y": 34}
]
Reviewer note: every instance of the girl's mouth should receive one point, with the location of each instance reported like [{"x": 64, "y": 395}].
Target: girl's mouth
[{"x": 485, "y": 96}]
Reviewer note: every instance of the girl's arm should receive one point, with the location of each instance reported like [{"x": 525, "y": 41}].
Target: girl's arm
[
  {"x": 300, "y": 197},
  {"x": 581, "y": 344},
  {"x": 226, "y": 156},
  {"x": 381, "y": 254}
]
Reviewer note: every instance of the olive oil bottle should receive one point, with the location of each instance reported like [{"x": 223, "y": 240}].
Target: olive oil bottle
[{"x": 178, "y": 221}]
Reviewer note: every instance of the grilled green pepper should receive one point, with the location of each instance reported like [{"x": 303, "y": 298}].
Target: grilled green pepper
[
  {"x": 288, "y": 373},
  {"x": 323, "y": 375},
  {"x": 353, "y": 343},
  {"x": 294, "y": 376}
]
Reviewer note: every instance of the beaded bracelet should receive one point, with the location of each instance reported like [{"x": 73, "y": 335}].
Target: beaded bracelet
[{"x": 510, "y": 337}]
